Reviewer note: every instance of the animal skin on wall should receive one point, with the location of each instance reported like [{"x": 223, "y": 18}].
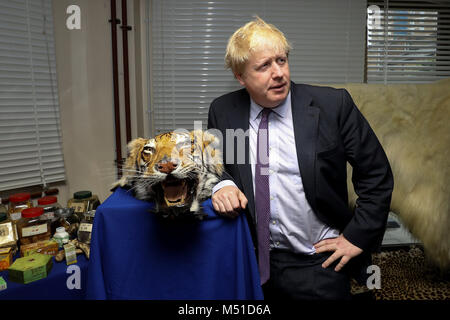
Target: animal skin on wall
[{"x": 412, "y": 123}]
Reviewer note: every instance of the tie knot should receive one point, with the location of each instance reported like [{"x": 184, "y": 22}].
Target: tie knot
[{"x": 265, "y": 113}]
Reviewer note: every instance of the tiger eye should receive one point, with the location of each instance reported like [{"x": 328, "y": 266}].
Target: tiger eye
[{"x": 148, "y": 149}]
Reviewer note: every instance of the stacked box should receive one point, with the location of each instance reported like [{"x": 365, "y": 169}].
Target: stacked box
[
  {"x": 31, "y": 268},
  {"x": 49, "y": 247},
  {"x": 5, "y": 258},
  {"x": 3, "y": 285},
  {"x": 8, "y": 235}
]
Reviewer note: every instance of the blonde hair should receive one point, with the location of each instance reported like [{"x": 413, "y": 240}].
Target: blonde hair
[{"x": 253, "y": 36}]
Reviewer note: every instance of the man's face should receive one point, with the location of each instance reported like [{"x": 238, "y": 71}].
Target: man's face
[{"x": 266, "y": 77}]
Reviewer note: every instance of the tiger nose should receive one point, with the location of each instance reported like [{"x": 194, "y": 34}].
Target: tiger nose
[{"x": 166, "y": 167}]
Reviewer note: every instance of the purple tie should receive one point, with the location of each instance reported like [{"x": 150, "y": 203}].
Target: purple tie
[{"x": 262, "y": 197}]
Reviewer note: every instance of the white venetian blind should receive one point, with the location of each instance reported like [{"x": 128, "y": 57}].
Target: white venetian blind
[
  {"x": 188, "y": 41},
  {"x": 30, "y": 136},
  {"x": 410, "y": 43}
]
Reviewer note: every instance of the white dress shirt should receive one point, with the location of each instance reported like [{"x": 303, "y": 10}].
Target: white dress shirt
[{"x": 293, "y": 225}]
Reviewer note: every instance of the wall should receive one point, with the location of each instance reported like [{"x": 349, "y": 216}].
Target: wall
[{"x": 85, "y": 86}]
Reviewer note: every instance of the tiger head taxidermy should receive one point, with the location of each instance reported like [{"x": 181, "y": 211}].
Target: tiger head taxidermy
[{"x": 175, "y": 170}]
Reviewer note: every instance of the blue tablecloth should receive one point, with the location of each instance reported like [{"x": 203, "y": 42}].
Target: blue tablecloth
[
  {"x": 54, "y": 286},
  {"x": 136, "y": 255}
]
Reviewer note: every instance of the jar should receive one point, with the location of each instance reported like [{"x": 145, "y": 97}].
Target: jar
[
  {"x": 83, "y": 201},
  {"x": 85, "y": 229},
  {"x": 61, "y": 236},
  {"x": 69, "y": 220},
  {"x": 31, "y": 228},
  {"x": 17, "y": 203},
  {"x": 50, "y": 205}
]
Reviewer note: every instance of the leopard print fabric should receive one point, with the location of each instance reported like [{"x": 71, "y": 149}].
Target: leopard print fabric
[{"x": 407, "y": 275}]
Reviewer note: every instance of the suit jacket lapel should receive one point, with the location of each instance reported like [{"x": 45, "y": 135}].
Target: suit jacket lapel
[
  {"x": 306, "y": 119},
  {"x": 238, "y": 118}
]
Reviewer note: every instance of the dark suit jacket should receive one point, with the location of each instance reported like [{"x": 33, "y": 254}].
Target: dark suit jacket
[{"x": 329, "y": 131}]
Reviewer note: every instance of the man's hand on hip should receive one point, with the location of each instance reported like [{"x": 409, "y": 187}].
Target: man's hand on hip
[
  {"x": 341, "y": 247},
  {"x": 229, "y": 201}
]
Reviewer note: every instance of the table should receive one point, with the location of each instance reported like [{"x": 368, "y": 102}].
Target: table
[
  {"x": 54, "y": 286},
  {"x": 137, "y": 255}
]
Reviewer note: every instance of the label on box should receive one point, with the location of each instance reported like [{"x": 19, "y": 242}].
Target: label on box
[
  {"x": 5, "y": 250},
  {"x": 34, "y": 230},
  {"x": 49, "y": 247},
  {"x": 48, "y": 215},
  {"x": 78, "y": 207},
  {"x": 5, "y": 258},
  {"x": 5, "y": 261},
  {"x": 70, "y": 253},
  {"x": 7, "y": 235},
  {"x": 87, "y": 227},
  {"x": 16, "y": 215},
  {"x": 4, "y": 230}
]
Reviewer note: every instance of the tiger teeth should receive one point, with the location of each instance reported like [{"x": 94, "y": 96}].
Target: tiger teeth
[
  {"x": 175, "y": 202},
  {"x": 174, "y": 194}
]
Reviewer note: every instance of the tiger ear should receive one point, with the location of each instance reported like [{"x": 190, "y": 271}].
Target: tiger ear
[
  {"x": 202, "y": 138},
  {"x": 211, "y": 147},
  {"x": 133, "y": 149},
  {"x": 208, "y": 139},
  {"x": 196, "y": 136}
]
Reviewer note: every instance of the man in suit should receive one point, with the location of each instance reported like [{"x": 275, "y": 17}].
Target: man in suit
[{"x": 293, "y": 184}]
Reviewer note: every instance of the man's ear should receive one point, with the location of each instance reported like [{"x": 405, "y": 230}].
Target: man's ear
[{"x": 239, "y": 77}]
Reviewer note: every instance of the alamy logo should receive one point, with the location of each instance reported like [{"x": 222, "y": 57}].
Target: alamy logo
[
  {"x": 74, "y": 280},
  {"x": 374, "y": 17},
  {"x": 374, "y": 280},
  {"x": 74, "y": 20}
]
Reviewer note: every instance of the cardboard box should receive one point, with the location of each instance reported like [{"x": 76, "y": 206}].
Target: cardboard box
[
  {"x": 5, "y": 258},
  {"x": 8, "y": 235},
  {"x": 49, "y": 247},
  {"x": 70, "y": 253},
  {"x": 31, "y": 268}
]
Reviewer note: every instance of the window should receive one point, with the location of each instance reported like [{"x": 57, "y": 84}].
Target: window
[
  {"x": 408, "y": 41},
  {"x": 30, "y": 136},
  {"x": 189, "y": 38}
]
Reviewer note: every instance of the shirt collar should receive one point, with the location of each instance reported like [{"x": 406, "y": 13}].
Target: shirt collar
[{"x": 281, "y": 110}]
